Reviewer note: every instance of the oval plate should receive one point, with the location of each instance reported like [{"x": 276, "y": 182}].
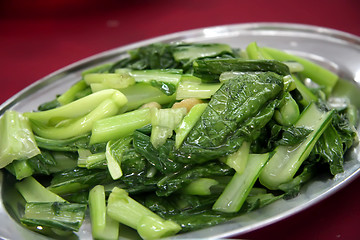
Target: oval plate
[{"x": 335, "y": 50}]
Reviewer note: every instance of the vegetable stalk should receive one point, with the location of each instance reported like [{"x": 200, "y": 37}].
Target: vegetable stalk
[
  {"x": 79, "y": 126},
  {"x": 312, "y": 70},
  {"x": 76, "y": 109},
  {"x": 235, "y": 193},
  {"x": 33, "y": 191},
  {"x": 119, "y": 126},
  {"x": 103, "y": 227},
  {"x": 149, "y": 225},
  {"x": 17, "y": 141},
  {"x": 287, "y": 159}
]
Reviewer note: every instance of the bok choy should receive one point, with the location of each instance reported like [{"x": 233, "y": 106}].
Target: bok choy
[{"x": 176, "y": 137}]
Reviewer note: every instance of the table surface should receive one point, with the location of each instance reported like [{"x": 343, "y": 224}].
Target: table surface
[{"x": 38, "y": 37}]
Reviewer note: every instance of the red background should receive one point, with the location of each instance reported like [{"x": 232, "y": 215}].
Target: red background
[{"x": 40, "y": 36}]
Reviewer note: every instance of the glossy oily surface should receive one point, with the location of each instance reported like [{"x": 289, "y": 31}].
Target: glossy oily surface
[{"x": 335, "y": 50}]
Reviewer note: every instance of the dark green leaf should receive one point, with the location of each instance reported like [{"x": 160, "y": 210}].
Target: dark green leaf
[
  {"x": 210, "y": 69},
  {"x": 45, "y": 163},
  {"x": 78, "y": 179},
  {"x": 293, "y": 135},
  {"x": 175, "y": 181},
  {"x": 159, "y": 158},
  {"x": 49, "y": 105},
  {"x": 330, "y": 148},
  {"x": 245, "y": 102}
]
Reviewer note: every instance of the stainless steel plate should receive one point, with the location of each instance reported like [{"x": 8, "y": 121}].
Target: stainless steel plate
[{"x": 337, "y": 51}]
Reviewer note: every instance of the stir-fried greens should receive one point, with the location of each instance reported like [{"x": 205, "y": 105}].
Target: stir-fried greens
[{"x": 176, "y": 137}]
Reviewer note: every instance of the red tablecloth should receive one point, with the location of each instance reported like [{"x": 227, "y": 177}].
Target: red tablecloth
[{"x": 38, "y": 37}]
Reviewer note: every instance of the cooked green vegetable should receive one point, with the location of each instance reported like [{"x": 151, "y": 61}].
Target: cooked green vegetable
[
  {"x": 176, "y": 137},
  {"x": 315, "y": 72},
  {"x": 72, "y": 93},
  {"x": 78, "y": 179},
  {"x": 182, "y": 177},
  {"x": 97, "y": 206},
  {"x": 16, "y": 139},
  {"x": 193, "y": 87},
  {"x": 163, "y": 123},
  {"x": 101, "y": 81},
  {"x": 91, "y": 160},
  {"x": 60, "y": 215},
  {"x": 188, "y": 123},
  {"x": 115, "y": 150},
  {"x": 142, "y": 93},
  {"x": 211, "y": 69},
  {"x": 289, "y": 112},
  {"x": 33, "y": 191},
  {"x": 165, "y": 80},
  {"x": 119, "y": 126},
  {"x": 194, "y": 51},
  {"x": 126, "y": 210},
  {"x": 158, "y": 157},
  {"x": 20, "y": 169},
  {"x": 103, "y": 227},
  {"x": 241, "y": 106},
  {"x": 287, "y": 159},
  {"x": 201, "y": 186},
  {"x": 69, "y": 144},
  {"x": 74, "y": 119},
  {"x": 76, "y": 109},
  {"x": 238, "y": 160},
  {"x": 235, "y": 193}
]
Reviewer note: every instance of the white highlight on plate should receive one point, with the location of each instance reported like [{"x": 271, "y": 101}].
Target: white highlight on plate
[
  {"x": 357, "y": 77},
  {"x": 214, "y": 32}
]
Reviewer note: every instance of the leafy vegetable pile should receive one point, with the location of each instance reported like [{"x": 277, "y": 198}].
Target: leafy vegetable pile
[{"x": 174, "y": 138}]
